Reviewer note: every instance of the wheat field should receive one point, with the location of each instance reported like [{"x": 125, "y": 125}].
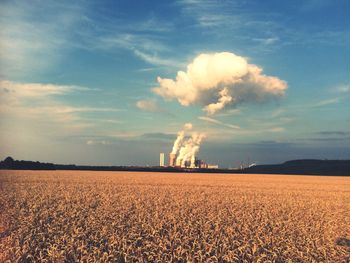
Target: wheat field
[{"x": 70, "y": 216}]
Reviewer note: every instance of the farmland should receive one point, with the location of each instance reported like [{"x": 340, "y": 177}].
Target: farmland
[{"x": 129, "y": 216}]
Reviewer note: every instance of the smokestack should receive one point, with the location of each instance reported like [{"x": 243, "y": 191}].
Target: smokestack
[{"x": 161, "y": 159}]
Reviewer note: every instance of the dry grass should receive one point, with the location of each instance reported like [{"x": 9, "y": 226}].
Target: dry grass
[{"x": 118, "y": 216}]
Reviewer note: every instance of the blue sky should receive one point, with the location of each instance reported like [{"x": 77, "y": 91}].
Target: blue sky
[{"x": 77, "y": 78}]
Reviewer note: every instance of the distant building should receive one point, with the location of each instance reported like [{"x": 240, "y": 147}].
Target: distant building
[
  {"x": 186, "y": 164},
  {"x": 200, "y": 164},
  {"x": 161, "y": 159},
  {"x": 174, "y": 161}
]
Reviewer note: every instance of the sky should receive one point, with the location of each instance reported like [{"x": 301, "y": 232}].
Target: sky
[{"x": 113, "y": 82}]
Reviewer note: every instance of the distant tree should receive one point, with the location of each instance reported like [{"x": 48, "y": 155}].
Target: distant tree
[
  {"x": 9, "y": 160},
  {"x": 7, "y": 163}
]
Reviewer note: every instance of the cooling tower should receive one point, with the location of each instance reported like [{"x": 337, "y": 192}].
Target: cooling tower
[
  {"x": 178, "y": 162},
  {"x": 172, "y": 159}
]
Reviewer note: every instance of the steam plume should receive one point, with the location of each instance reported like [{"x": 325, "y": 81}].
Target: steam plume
[
  {"x": 187, "y": 146},
  {"x": 220, "y": 80},
  {"x": 178, "y": 141}
]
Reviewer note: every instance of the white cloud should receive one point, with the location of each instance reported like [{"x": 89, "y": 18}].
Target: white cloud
[
  {"x": 219, "y": 80},
  {"x": 207, "y": 119}
]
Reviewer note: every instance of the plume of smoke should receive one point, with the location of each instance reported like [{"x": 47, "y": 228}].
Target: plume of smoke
[
  {"x": 195, "y": 150},
  {"x": 190, "y": 148},
  {"x": 188, "y": 126},
  {"x": 180, "y": 137},
  {"x": 178, "y": 141},
  {"x": 219, "y": 80},
  {"x": 187, "y": 145}
]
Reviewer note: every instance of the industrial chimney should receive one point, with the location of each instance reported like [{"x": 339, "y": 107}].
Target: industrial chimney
[{"x": 161, "y": 160}]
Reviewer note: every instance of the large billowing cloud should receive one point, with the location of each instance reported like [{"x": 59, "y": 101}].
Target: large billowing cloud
[{"x": 219, "y": 80}]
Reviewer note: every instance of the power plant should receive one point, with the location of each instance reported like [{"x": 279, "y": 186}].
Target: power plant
[
  {"x": 176, "y": 162},
  {"x": 184, "y": 150}
]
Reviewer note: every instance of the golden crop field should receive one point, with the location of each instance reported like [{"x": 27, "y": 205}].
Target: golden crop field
[{"x": 57, "y": 216}]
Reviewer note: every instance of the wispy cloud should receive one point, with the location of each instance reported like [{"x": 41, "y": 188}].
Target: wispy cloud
[
  {"x": 345, "y": 88},
  {"x": 215, "y": 121},
  {"x": 115, "y": 138},
  {"x": 277, "y": 113},
  {"x": 230, "y": 112},
  {"x": 157, "y": 60},
  {"x": 38, "y": 105},
  {"x": 69, "y": 109},
  {"x": 130, "y": 41},
  {"x": 326, "y": 102},
  {"x": 159, "y": 136},
  {"x": 310, "y": 5},
  {"x": 97, "y": 142},
  {"x": 19, "y": 89},
  {"x": 340, "y": 133},
  {"x": 144, "y": 47},
  {"x": 261, "y": 31},
  {"x": 327, "y": 139},
  {"x": 276, "y": 129},
  {"x": 211, "y": 14},
  {"x": 33, "y": 40},
  {"x": 148, "y": 105},
  {"x": 216, "y": 18},
  {"x": 152, "y": 24},
  {"x": 267, "y": 41}
]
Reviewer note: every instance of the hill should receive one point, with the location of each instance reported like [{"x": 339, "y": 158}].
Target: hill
[{"x": 310, "y": 167}]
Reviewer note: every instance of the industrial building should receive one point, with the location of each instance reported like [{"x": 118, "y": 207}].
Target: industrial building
[{"x": 197, "y": 163}]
